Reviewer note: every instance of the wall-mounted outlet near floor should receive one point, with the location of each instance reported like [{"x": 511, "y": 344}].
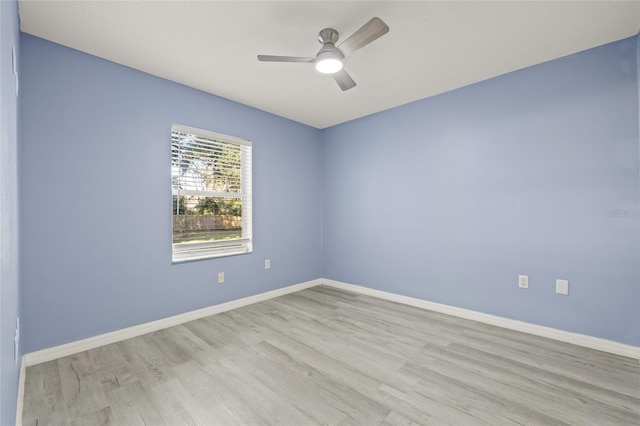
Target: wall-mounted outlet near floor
[
  {"x": 16, "y": 342},
  {"x": 562, "y": 287},
  {"x": 523, "y": 281},
  {"x": 220, "y": 277},
  {"x": 267, "y": 264}
]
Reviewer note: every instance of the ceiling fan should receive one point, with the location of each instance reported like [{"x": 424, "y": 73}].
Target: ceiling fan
[{"x": 330, "y": 59}]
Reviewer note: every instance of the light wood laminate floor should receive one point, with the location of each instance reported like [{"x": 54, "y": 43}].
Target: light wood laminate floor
[{"x": 326, "y": 356}]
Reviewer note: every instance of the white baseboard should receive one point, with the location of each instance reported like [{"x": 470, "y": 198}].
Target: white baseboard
[
  {"x": 20, "y": 401},
  {"x": 71, "y": 348},
  {"x": 538, "y": 330}
]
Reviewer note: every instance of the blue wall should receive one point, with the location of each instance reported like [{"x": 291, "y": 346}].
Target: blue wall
[
  {"x": 9, "y": 290},
  {"x": 95, "y": 198},
  {"x": 449, "y": 198}
]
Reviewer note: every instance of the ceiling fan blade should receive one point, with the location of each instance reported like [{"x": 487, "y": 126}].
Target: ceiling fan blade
[
  {"x": 367, "y": 33},
  {"x": 271, "y": 58},
  {"x": 344, "y": 80}
]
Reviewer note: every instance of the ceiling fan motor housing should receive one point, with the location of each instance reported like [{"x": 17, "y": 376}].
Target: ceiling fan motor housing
[{"x": 328, "y": 37}]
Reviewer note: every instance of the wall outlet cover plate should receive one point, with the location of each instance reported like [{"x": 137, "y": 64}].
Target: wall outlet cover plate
[
  {"x": 523, "y": 281},
  {"x": 562, "y": 287}
]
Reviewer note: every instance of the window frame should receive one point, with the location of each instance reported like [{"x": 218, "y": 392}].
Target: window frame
[{"x": 190, "y": 251}]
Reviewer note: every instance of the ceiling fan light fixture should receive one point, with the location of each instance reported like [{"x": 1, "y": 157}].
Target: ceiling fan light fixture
[
  {"x": 330, "y": 59},
  {"x": 328, "y": 63}
]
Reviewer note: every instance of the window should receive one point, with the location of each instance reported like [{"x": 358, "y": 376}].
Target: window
[{"x": 211, "y": 189}]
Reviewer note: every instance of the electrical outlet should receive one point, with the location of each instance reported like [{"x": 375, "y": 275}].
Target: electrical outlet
[
  {"x": 562, "y": 287},
  {"x": 523, "y": 281},
  {"x": 267, "y": 264},
  {"x": 220, "y": 277}
]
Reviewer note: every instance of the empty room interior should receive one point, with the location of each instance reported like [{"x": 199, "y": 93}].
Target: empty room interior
[{"x": 310, "y": 212}]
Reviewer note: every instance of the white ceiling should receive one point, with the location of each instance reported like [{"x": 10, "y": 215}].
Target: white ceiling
[{"x": 432, "y": 46}]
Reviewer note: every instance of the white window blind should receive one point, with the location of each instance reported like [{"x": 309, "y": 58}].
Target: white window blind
[{"x": 211, "y": 191}]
